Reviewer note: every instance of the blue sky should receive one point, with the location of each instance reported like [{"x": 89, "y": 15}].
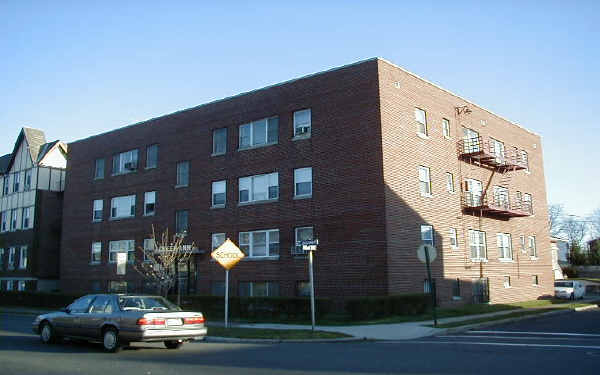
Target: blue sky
[{"x": 75, "y": 69}]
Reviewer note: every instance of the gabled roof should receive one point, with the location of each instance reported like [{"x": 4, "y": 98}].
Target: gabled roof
[
  {"x": 35, "y": 139},
  {"x": 4, "y": 162}
]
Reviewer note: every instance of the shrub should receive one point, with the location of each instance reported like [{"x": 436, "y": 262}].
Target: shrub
[
  {"x": 569, "y": 271},
  {"x": 37, "y": 299},
  {"x": 363, "y": 308}
]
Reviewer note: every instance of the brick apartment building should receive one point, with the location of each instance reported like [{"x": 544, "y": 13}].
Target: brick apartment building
[
  {"x": 368, "y": 158},
  {"x": 32, "y": 180}
]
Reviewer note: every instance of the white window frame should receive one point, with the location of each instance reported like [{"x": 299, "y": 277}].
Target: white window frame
[
  {"x": 150, "y": 149},
  {"x": 217, "y": 239},
  {"x": 523, "y": 244},
  {"x": 21, "y": 285},
  {"x": 148, "y": 246},
  {"x": 501, "y": 197},
  {"x": 97, "y": 207},
  {"x": 474, "y": 192},
  {"x": 296, "y": 235},
  {"x": 427, "y": 239},
  {"x": 532, "y": 247},
  {"x": 187, "y": 221},
  {"x": 424, "y": 181},
  {"x": 149, "y": 201},
  {"x": 214, "y": 134},
  {"x": 528, "y": 201},
  {"x": 180, "y": 175},
  {"x": 525, "y": 160},
  {"x": 6, "y": 187},
  {"x": 506, "y": 282},
  {"x": 450, "y": 182},
  {"x": 125, "y": 162},
  {"x": 14, "y": 219},
  {"x": 421, "y": 119},
  {"x": 453, "y": 238},
  {"x": 219, "y": 187},
  {"x": 302, "y": 128},
  {"x": 99, "y": 162},
  {"x": 23, "y": 258},
  {"x": 121, "y": 246},
  {"x": 96, "y": 249},
  {"x": 11, "y": 258},
  {"x": 535, "y": 280},
  {"x": 475, "y": 241},
  {"x": 302, "y": 175},
  {"x": 27, "y": 180},
  {"x": 26, "y": 222},
  {"x": 16, "y": 182},
  {"x": 250, "y": 244},
  {"x": 249, "y": 183},
  {"x": 446, "y": 128},
  {"x": 4, "y": 221},
  {"x": 504, "y": 244},
  {"x": 269, "y": 122},
  {"x": 114, "y": 207},
  {"x": 251, "y": 285}
]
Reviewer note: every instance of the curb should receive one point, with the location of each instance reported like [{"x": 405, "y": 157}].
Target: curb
[
  {"x": 233, "y": 340},
  {"x": 586, "y": 308}
]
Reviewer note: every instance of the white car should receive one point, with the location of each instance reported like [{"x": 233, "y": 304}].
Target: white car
[{"x": 569, "y": 289}]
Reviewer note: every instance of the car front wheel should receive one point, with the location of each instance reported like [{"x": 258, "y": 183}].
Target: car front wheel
[
  {"x": 110, "y": 340},
  {"x": 173, "y": 344},
  {"x": 47, "y": 334}
]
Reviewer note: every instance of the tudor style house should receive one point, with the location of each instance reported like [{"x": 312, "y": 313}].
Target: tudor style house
[
  {"x": 32, "y": 181},
  {"x": 368, "y": 158}
]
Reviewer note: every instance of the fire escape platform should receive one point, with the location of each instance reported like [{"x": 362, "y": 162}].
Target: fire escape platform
[{"x": 492, "y": 210}]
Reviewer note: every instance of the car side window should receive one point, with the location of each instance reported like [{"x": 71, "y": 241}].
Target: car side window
[
  {"x": 81, "y": 305},
  {"x": 99, "y": 305}
]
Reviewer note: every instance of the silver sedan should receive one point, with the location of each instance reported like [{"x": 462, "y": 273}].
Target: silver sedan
[{"x": 115, "y": 320}]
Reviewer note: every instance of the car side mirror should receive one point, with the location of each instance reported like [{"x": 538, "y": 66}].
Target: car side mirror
[{"x": 66, "y": 310}]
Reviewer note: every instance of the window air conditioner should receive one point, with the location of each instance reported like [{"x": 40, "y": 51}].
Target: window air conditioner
[
  {"x": 302, "y": 130},
  {"x": 131, "y": 165}
]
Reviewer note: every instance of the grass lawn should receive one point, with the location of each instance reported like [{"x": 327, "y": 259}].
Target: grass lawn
[{"x": 276, "y": 334}]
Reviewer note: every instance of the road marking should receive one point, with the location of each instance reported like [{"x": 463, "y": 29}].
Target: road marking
[
  {"x": 497, "y": 344},
  {"x": 510, "y": 337},
  {"x": 540, "y": 333}
]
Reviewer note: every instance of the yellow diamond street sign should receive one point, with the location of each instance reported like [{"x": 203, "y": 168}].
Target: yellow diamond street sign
[{"x": 228, "y": 255}]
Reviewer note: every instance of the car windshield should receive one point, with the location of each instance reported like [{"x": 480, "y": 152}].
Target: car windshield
[
  {"x": 146, "y": 303},
  {"x": 564, "y": 284}
]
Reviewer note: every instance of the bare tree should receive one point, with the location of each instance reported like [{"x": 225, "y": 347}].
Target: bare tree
[
  {"x": 161, "y": 258},
  {"x": 594, "y": 220},
  {"x": 575, "y": 230},
  {"x": 556, "y": 214}
]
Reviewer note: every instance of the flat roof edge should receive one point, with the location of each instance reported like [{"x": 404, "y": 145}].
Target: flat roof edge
[{"x": 456, "y": 95}]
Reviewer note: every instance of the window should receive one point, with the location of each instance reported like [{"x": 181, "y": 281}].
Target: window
[
  {"x": 519, "y": 200},
  {"x": 183, "y": 173},
  {"x": 21, "y": 285},
  {"x": 1, "y": 259},
  {"x": 219, "y": 193},
  {"x": 149, "y": 247},
  {"x": 259, "y": 289},
  {"x": 181, "y": 221},
  {"x": 501, "y": 198},
  {"x": 302, "y": 123},
  {"x": 477, "y": 244},
  {"x": 535, "y": 280},
  {"x": 23, "y": 258},
  {"x": 446, "y": 127},
  {"x": 217, "y": 240},
  {"x": 219, "y": 141},
  {"x": 4, "y": 224},
  {"x": 81, "y": 305},
  {"x": 122, "y": 246},
  {"x": 522, "y": 242},
  {"x": 13, "y": 218},
  {"x": 117, "y": 286},
  {"x": 303, "y": 234},
  {"x": 525, "y": 160},
  {"x": 532, "y": 247},
  {"x": 27, "y": 182},
  {"x": 259, "y": 133},
  {"x": 96, "y": 256},
  {"x": 427, "y": 234},
  {"x": 456, "y": 289},
  {"x": 9, "y": 285},
  {"x": 498, "y": 150},
  {"x": 11, "y": 258},
  {"x": 25, "y": 217},
  {"x": 427, "y": 286},
  {"x": 151, "y": 156},
  {"x": 424, "y": 181},
  {"x": 507, "y": 281},
  {"x": 149, "y": 203},
  {"x": 121, "y": 207},
  {"x": 6, "y": 187},
  {"x": 474, "y": 190},
  {"x": 259, "y": 188},
  {"x": 97, "y": 210},
  {"x": 471, "y": 141},
  {"x": 421, "y": 119},
  {"x": 453, "y": 238},
  {"x": 262, "y": 243},
  {"x": 504, "y": 246},
  {"x": 303, "y": 289},
  {"x": 303, "y": 182},
  {"x": 450, "y": 182},
  {"x": 527, "y": 203},
  {"x": 16, "y": 180},
  {"x": 101, "y": 305},
  {"x": 99, "y": 169},
  {"x": 125, "y": 162}
]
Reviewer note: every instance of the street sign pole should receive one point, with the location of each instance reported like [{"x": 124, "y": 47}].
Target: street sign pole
[
  {"x": 226, "y": 297},
  {"x": 431, "y": 286},
  {"x": 312, "y": 288}
]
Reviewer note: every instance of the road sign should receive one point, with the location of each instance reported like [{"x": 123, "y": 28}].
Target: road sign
[
  {"x": 228, "y": 254},
  {"x": 308, "y": 245},
  {"x": 421, "y": 253},
  {"x": 121, "y": 263}
]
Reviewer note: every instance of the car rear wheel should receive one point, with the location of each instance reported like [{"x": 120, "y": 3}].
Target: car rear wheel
[
  {"x": 110, "y": 340},
  {"x": 47, "y": 334},
  {"x": 173, "y": 344}
]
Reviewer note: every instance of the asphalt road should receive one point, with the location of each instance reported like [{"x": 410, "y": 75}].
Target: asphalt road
[{"x": 568, "y": 343}]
